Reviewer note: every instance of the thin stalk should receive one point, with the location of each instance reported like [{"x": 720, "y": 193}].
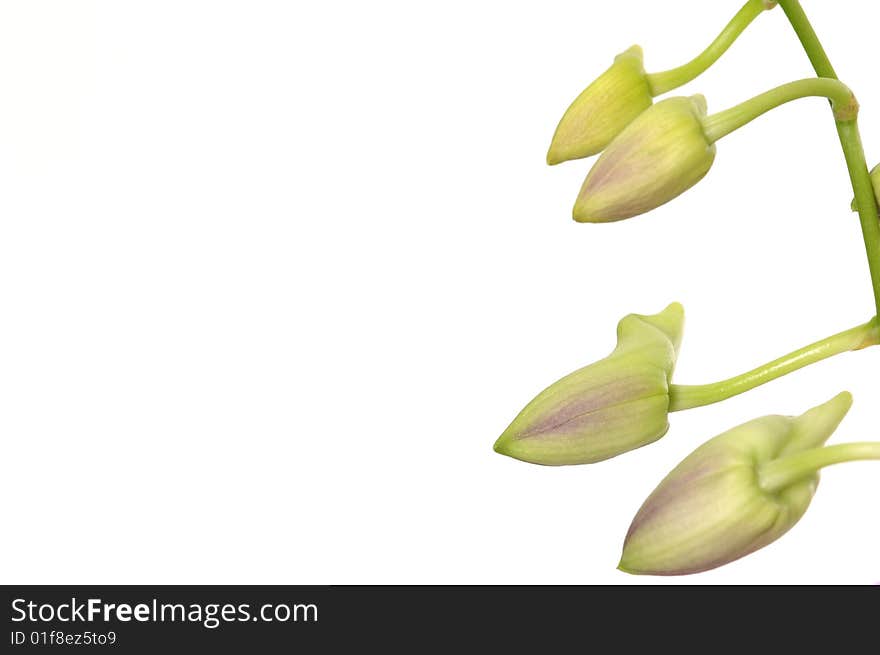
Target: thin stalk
[
  {"x": 666, "y": 81},
  {"x": 724, "y": 122},
  {"x": 850, "y": 140},
  {"x": 781, "y": 473},
  {"x": 683, "y": 396}
]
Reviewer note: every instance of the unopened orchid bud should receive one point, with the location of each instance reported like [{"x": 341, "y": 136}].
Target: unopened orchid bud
[
  {"x": 660, "y": 155},
  {"x": 733, "y": 495},
  {"x": 671, "y": 146},
  {"x": 625, "y": 90},
  {"x": 603, "y": 109},
  {"x": 875, "y": 179},
  {"x": 607, "y": 408}
]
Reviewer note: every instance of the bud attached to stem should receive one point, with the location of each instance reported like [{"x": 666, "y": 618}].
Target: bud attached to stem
[
  {"x": 624, "y": 91},
  {"x": 607, "y": 408},
  {"x": 671, "y": 146},
  {"x": 659, "y": 156},
  {"x": 737, "y": 493}
]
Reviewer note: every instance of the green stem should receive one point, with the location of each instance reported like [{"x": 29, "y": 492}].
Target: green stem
[
  {"x": 683, "y": 396},
  {"x": 851, "y": 142},
  {"x": 808, "y": 38},
  {"x": 780, "y": 473},
  {"x": 842, "y": 101},
  {"x": 666, "y": 81}
]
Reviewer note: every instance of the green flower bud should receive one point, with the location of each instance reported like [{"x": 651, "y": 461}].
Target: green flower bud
[
  {"x": 715, "y": 508},
  {"x": 625, "y": 90},
  {"x": 875, "y": 178},
  {"x": 603, "y": 109},
  {"x": 607, "y": 408},
  {"x": 660, "y": 155}
]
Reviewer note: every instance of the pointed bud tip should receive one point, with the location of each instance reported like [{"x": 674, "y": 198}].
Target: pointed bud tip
[
  {"x": 584, "y": 212},
  {"x": 838, "y": 405},
  {"x": 815, "y": 426},
  {"x": 507, "y": 443},
  {"x": 844, "y": 397},
  {"x": 580, "y": 216}
]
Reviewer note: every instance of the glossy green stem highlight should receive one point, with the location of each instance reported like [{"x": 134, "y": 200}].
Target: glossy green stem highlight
[
  {"x": 842, "y": 101},
  {"x": 683, "y": 396},
  {"x": 781, "y": 473},
  {"x": 850, "y": 140},
  {"x": 666, "y": 81}
]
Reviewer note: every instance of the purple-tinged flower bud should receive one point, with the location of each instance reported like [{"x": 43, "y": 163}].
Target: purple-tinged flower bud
[
  {"x": 714, "y": 507},
  {"x": 660, "y": 155},
  {"x": 603, "y": 109},
  {"x": 607, "y": 408},
  {"x": 625, "y": 90}
]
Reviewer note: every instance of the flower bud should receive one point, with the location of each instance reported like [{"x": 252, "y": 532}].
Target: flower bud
[
  {"x": 603, "y": 109},
  {"x": 875, "y": 179},
  {"x": 712, "y": 509},
  {"x": 660, "y": 155},
  {"x": 607, "y": 408}
]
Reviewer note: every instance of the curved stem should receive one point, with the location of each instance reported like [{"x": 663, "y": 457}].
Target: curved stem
[
  {"x": 688, "y": 396},
  {"x": 780, "y": 473},
  {"x": 850, "y": 140},
  {"x": 661, "y": 83},
  {"x": 842, "y": 101}
]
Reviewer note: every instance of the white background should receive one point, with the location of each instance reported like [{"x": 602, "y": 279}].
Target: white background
[{"x": 275, "y": 275}]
